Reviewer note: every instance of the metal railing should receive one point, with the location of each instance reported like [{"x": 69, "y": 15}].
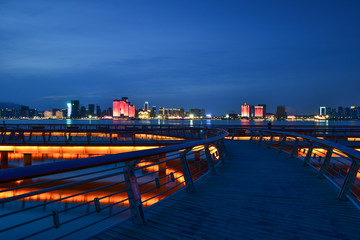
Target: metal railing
[
  {"x": 77, "y": 136},
  {"x": 336, "y": 162},
  {"x": 72, "y": 199}
]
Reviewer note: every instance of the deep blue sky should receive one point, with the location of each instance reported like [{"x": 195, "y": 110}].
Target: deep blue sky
[{"x": 207, "y": 54}]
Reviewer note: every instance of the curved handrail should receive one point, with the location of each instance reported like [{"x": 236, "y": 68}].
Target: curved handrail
[
  {"x": 349, "y": 151},
  {"x": 15, "y": 174}
]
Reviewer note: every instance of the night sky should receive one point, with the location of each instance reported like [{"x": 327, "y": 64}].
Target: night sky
[{"x": 193, "y": 54}]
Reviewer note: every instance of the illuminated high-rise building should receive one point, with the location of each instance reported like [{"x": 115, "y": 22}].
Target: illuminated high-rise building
[
  {"x": 126, "y": 109},
  {"x": 259, "y": 112},
  {"x": 122, "y": 108},
  {"x": 264, "y": 109},
  {"x": 116, "y": 108},
  {"x": 69, "y": 110},
  {"x": 153, "y": 112},
  {"x": 146, "y": 106},
  {"x": 131, "y": 111},
  {"x": 322, "y": 111},
  {"x": 245, "y": 110},
  {"x": 161, "y": 111}
]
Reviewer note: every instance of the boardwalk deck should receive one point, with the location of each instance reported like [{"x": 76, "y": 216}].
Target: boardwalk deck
[{"x": 258, "y": 193}]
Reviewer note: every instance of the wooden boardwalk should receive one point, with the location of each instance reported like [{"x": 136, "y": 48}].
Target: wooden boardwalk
[{"x": 258, "y": 193}]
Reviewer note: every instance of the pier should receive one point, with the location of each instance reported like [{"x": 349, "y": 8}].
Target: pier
[{"x": 208, "y": 185}]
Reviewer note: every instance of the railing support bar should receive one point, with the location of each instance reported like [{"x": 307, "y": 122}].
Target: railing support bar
[
  {"x": 190, "y": 187},
  {"x": 349, "y": 180},
  {"x": 295, "y": 148},
  {"x": 326, "y": 163},
  {"x": 251, "y": 136},
  {"x": 209, "y": 160},
  {"x": 271, "y": 140},
  {"x": 134, "y": 195},
  {"x": 308, "y": 155},
  {"x": 220, "y": 151},
  {"x": 282, "y": 143}
]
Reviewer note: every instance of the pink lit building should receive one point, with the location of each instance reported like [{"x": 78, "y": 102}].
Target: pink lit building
[
  {"x": 131, "y": 111},
  {"x": 259, "y": 111},
  {"x": 245, "y": 110},
  {"x": 116, "y": 108}
]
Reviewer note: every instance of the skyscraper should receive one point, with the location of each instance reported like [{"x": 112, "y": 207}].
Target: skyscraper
[
  {"x": 153, "y": 112},
  {"x": 245, "y": 110},
  {"x": 322, "y": 111},
  {"x": 131, "y": 111},
  {"x": 91, "y": 110},
  {"x": 75, "y": 109},
  {"x": 264, "y": 109},
  {"x": 146, "y": 106},
  {"x": 24, "y": 111},
  {"x": 259, "y": 112},
  {"x": 280, "y": 112},
  {"x": 98, "y": 111},
  {"x": 116, "y": 108}
]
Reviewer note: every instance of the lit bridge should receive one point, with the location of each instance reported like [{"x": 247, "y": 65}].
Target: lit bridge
[{"x": 281, "y": 185}]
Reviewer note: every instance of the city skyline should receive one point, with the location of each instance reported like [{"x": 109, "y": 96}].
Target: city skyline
[{"x": 215, "y": 55}]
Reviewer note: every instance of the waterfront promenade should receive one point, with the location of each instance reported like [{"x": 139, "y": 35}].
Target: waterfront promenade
[{"x": 258, "y": 193}]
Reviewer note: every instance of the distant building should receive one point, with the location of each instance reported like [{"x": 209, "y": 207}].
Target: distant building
[
  {"x": 98, "y": 111},
  {"x": 75, "y": 109},
  {"x": 131, "y": 111},
  {"x": 264, "y": 109},
  {"x": 32, "y": 113},
  {"x": 341, "y": 112},
  {"x": 245, "y": 110},
  {"x": 116, "y": 108},
  {"x": 24, "y": 111},
  {"x": 259, "y": 112},
  {"x": 153, "y": 112},
  {"x": 280, "y": 112},
  {"x": 48, "y": 114},
  {"x": 122, "y": 108},
  {"x": 91, "y": 110},
  {"x": 146, "y": 106},
  {"x": 322, "y": 111},
  {"x": 142, "y": 114},
  {"x": 161, "y": 111},
  {"x": 69, "y": 110},
  {"x": 59, "y": 114},
  {"x": 197, "y": 113}
]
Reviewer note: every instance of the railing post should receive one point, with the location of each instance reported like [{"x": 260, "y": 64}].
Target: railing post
[
  {"x": 220, "y": 151},
  {"x": 88, "y": 136},
  {"x": 295, "y": 148},
  {"x": 209, "y": 160},
  {"x": 251, "y": 136},
  {"x": 190, "y": 187},
  {"x": 4, "y": 159},
  {"x": 350, "y": 179},
  {"x": 326, "y": 163},
  {"x": 134, "y": 195},
  {"x": 308, "y": 155},
  {"x": 260, "y": 139},
  {"x": 282, "y": 143},
  {"x": 271, "y": 140},
  {"x": 223, "y": 146}
]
